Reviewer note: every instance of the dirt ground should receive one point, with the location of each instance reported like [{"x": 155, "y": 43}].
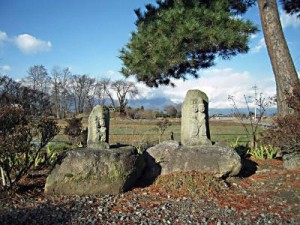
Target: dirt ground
[{"x": 263, "y": 187}]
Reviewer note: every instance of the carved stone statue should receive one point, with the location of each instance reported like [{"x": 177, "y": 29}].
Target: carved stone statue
[
  {"x": 98, "y": 128},
  {"x": 194, "y": 121}
]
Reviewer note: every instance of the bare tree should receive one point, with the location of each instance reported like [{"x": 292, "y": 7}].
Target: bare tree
[
  {"x": 254, "y": 120},
  {"x": 170, "y": 110},
  {"x": 37, "y": 78},
  {"x": 65, "y": 90},
  {"x": 123, "y": 88},
  {"x": 104, "y": 90},
  {"x": 161, "y": 126},
  {"x": 55, "y": 92},
  {"x": 60, "y": 79},
  {"x": 99, "y": 93},
  {"x": 33, "y": 102},
  {"x": 80, "y": 88},
  {"x": 91, "y": 99}
]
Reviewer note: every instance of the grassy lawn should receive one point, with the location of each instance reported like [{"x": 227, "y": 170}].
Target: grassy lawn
[
  {"x": 227, "y": 132},
  {"x": 137, "y": 132},
  {"x": 141, "y": 131}
]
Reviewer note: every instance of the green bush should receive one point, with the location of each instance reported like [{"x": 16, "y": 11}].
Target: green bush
[
  {"x": 49, "y": 155},
  {"x": 263, "y": 152},
  {"x": 285, "y": 132},
  {"x": 58, "y": 147}
]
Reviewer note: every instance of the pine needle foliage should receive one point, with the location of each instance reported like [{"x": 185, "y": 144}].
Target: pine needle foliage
[
  {"x": 291, "y": 7},
  {"x": 176, "y": 38}
]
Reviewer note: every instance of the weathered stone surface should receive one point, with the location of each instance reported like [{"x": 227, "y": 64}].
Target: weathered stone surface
[
  {"x": 291, "y": 161},
  {"x": 89, "y": 171},
  {"x": 98, "y": 128},
  {"x": 194, "y": 120},
  {"x": 169, "y": 157}
]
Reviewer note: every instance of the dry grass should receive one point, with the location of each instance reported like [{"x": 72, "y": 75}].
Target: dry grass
[
  {"x": 190, "y": 183},
  {"x": 137, "y": 132},
  {"x": 140, "y": 131}
]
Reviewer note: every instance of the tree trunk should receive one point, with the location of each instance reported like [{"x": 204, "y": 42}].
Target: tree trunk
[
  {"x": 122, "y": 110},
  {"x": 57, "y": 101},
  {"x": 283, "y": 67}
]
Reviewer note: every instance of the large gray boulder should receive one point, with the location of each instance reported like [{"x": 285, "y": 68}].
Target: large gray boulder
[
  {"x": 291, "y": 161},
  {"x": 89, "y": 171},
  {"x": 169, "y": 157}
]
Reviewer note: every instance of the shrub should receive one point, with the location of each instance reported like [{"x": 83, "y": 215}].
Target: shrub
[
  {"x": 263, "y": 152},
  {"x": 252, "y": 130},
  {"x": 49, "y": 155},
  {"x": 18, "y": 152},
  {"x": 285, "y": 132},
  {"x": 75, "y": 131},
  {"x": 74, "y": 127},
  {"x": 58, "y": 147},
  {"x": 33, "y": 102},
  {"x": 161, "y": 126}
]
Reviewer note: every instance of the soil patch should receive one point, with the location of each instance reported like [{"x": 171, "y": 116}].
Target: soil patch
[{"x": 265, "y": 193}]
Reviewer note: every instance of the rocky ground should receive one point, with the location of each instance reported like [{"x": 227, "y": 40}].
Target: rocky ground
[{"x": 265, "y": 193}]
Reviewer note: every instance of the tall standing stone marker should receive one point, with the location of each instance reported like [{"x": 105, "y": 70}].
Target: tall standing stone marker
[
  {"x": 196, "y": 152},
  {"x": 98, "y": 129},
  {"x": 194, "y": 121},
  {"x": 96, "y": 169}
]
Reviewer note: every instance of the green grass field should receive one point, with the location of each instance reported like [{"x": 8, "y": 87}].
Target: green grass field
[
  {"x": 141, "y": 132},
  {"x": 137, "y": 132}
]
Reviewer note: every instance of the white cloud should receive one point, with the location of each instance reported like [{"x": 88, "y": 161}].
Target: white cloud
[
  {"x": 27, "y": 43},
  {"x": 30, "y": 45},
  {"x": 5, "y": 68},
  {"x": 113, "y": 76},
  {"x": 289, "y": 20},
  {"x": 3, "y": 36},
  {"x": 253, "y": 36},
  {"x": 111, "y": 73},
  {"x": 217, "y": 84},
  {"x": 260, "y": 45}
]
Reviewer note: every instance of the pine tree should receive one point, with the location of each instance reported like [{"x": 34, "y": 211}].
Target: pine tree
[{"x": 176, "y": 38}]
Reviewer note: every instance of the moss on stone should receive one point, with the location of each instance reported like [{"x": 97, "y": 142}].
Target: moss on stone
[{"x": 69, "y": 175}]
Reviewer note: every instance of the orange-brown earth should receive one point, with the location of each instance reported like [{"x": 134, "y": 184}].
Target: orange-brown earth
[{"x": 264, "y": 188}]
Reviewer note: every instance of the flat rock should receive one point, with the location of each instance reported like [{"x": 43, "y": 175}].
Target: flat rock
[
  {"x": 291, "y": 161},
  {"x": 90, "y": 171},
  {"x": 169, "y": 157}
]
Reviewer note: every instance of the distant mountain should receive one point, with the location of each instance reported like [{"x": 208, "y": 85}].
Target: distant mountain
[
  {"x": 160, "y": 103},
  {"x": 153, "y": 103},
  {"x": 228, "y": 111}
]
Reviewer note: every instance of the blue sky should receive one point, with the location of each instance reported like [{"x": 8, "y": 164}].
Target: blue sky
[{"x": 87, "y": 36}]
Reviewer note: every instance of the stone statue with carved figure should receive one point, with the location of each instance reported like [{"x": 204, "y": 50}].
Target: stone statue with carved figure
[
  {"x": 194, "y": 123},
  {"x": 98, "y": 129}
]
